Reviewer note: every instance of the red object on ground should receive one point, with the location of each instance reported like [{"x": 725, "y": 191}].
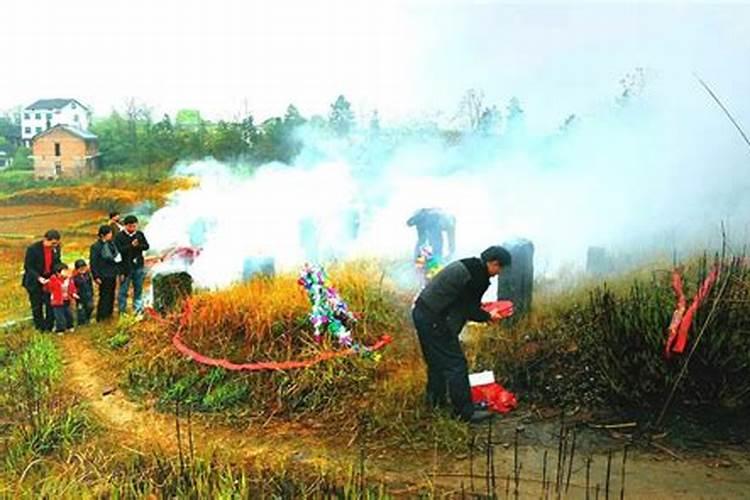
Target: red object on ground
[
  {"x": 494, "y": 396},
  {"x": 505, "y": 307},
  {"x": 258, "y": 366},
  {"x": 682, "y": 320}
]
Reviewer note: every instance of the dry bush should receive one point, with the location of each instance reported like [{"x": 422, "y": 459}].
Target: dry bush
[
  {"x": 264, "y": 320},
  {"x": 606, "y": 347}
]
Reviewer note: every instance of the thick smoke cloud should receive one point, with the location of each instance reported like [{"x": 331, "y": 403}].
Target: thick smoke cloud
[{"x": 655, "y": 172}]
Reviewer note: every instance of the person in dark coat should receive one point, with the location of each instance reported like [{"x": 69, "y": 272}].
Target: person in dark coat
[
  {"x": 440, "y": 312},
  {"x": 85, "y": 286},
  {"x": 105, "y": 262},
  {"x": 38, "y": 265},
  {"x": 431, "y": 223},
  {"x": 131, "y": 243}
]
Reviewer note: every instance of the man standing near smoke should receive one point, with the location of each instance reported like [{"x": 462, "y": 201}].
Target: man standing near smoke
[
  {"x": 131, "y": 243},
  {"x": 442, "y": 309},
  {"x": 431, "y": 223}
]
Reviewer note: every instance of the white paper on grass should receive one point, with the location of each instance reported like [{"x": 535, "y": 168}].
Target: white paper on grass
[{"x": 481, "y": 378}]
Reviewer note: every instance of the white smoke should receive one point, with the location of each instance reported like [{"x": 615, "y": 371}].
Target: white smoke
[{"x": 655, "y": 173}]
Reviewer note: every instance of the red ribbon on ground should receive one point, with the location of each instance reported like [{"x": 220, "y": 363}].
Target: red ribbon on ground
[
  {"x": 257, "y": 366},
  {"x": 682, "y": 320}
]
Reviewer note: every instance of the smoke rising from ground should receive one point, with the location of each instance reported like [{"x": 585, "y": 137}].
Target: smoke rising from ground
[{"x": 654, "y": 172}]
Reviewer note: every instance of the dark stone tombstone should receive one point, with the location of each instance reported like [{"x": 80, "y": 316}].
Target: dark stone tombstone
[
  {"x": 597, "y": 262},
  {"x": 516, "y": 283},
  {"x": 254, "y": 266},
  {"x": 170, "y": 289}
]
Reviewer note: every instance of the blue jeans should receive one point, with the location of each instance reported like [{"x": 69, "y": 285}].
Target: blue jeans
[{"x": 135, "y": 277}]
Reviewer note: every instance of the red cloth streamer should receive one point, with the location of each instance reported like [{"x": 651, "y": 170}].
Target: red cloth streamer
[
  {"x": 682, "y": 320},
  {"x": 505, "y": 307},
  {"x": 494, "y": 396},
  {"x": 258, "y": 366}
]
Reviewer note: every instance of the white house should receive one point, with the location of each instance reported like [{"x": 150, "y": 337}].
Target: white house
[{"x": 46, "y": 113}]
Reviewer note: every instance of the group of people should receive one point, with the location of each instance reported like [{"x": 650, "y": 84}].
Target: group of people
[{"x": 116, "y": 258}]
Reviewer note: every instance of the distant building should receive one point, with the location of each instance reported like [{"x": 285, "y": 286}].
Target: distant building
[
  {"x": 64, "y": 152},
  {"x": 47, "y": 113}
]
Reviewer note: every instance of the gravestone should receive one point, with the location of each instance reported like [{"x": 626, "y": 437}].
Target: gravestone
[
  {"x": 598, "y": 262},
  {"x": 516, "y": 282},
  {"x": 258, "y": 266}
]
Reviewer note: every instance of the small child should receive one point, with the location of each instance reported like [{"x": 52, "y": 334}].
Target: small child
[
  {"x": 61, "y": 289},
  {"x": 84, "y": 284}
]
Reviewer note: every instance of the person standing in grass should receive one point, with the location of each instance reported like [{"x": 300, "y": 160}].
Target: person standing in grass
[
  {"x": 442, "y": 309},
  {"x": 105, "y": 262},
  {"x": 85, "y": 287},
  {"x": 38, "y": 265},
  {"x": 131, "y": 243},
  {"x": 62, "y": 290}
]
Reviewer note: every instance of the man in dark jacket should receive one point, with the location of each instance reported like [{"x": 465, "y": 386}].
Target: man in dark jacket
[
  {"x": 41, "y": 258},
  {"x": 131, "y": 243},
  {"x": 431, "y": 223},
  {"x": 105, "y": 263},
  {"x": 442, "y": 309}
]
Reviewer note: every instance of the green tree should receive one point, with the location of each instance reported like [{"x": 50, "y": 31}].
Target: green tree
[
  {"x": 341, "y": 116},
  {"x": 21, "y": 159},
  {"x": 114, "y": 140},
  {"x": 226, "y": 141}
]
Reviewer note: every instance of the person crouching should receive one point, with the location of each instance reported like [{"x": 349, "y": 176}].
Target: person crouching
[{"x": 62, "y": 289}]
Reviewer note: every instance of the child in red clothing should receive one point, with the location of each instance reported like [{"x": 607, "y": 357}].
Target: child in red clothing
[{"x": 61, "y": 289}]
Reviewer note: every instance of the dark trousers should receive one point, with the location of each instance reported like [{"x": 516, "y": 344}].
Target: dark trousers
[
  {"x": 447, "y": 368},
  {"x": 106, "y": 304},
  {"x": 41, "y": 309},
  {"x": 84, "y": 308},
  {"x": 63, "y": 317}
]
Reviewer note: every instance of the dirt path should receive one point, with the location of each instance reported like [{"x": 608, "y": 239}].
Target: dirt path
[{"x": 144, "y": 430}]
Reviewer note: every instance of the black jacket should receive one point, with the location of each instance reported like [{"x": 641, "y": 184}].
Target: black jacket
[
  {"x": 454, "y": 296},
  {"x": 132, "y": 257},
  {"x": 33, "y": 265},
  {"x": 102, "y": 258},
  {"x": 84, "y": 287}
]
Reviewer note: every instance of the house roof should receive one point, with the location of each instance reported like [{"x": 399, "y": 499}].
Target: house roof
[
  {"x": 52, "y": 104},
  {"x": 83, "y": 134}
]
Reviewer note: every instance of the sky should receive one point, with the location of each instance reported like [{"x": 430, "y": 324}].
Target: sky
[{"x": 405, "y": 59}]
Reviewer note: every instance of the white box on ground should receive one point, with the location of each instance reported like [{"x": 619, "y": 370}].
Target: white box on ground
[{"x": 481, "y": 378}]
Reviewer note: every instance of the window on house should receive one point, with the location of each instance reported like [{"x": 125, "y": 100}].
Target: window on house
[
  {"x": 38, "y": 129},
  {"x": 75, "y": 118},
  {"x": 38, "y": 116},
  {"x": 27, "y": 130},
  {"x": 49, "y": 116},
  {"x": 27, "y": 116},
  {"x": 57, "y": 111},
  {"x": 57, "y": 149}
]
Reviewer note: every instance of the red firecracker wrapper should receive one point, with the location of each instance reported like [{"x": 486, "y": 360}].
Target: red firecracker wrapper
[{"x": 487, "y": 392}]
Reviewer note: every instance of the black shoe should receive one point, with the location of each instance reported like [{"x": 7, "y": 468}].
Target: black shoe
[{"x": 480, "y": 416}]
